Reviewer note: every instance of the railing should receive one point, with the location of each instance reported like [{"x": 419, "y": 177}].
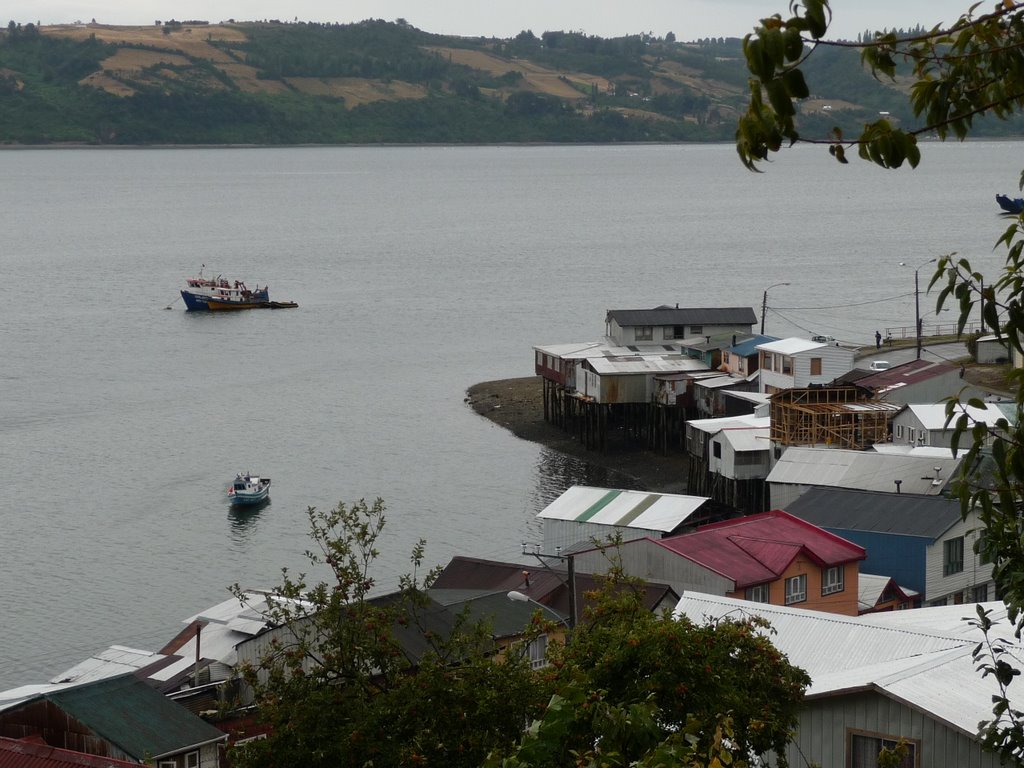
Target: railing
[{"x": 930, "y": 329}]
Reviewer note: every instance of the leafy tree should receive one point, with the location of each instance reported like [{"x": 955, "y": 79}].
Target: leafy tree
[
  {"x": 635, "y": 688},
  {"x": 338, "y": 687},
  {"x": 973, "y": 69}
]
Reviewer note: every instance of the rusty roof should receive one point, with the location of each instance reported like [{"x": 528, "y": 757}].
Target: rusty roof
[{"x": 23, "y": 753}]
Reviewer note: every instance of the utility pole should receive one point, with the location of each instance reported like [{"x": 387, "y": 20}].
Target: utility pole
[{"x": 569, "y": 582}]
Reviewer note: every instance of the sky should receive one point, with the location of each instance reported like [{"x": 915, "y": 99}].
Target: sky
[{"x": 688, "y": 19}]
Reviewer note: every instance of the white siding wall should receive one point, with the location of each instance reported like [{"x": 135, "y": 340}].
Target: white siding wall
[
  {"x": 730, "y": 470},
  {"x": 821, "y": 737},
  {"x": 907, "y": 430},
  {"x": 974, "y": 573},
  {"x": 647, "y": 560},
  {"x": 569, "y": 533},
  {"x": 783, "y": 494},
  {"x": 835, "y": 361}
]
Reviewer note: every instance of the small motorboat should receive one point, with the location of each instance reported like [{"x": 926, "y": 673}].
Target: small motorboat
[
  {"x": 1011, "y": 205},
  {"x": 249, "y": 489}
]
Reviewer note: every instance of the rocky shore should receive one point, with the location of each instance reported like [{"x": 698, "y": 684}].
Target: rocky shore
[{"x": 518, "y": 406}]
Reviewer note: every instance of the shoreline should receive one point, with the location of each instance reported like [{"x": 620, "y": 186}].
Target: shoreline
[{"x": 518, "y": 406}]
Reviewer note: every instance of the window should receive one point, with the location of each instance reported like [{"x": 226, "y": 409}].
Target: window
[
  {"x": 697, "y": 330},
  {"x": 167, "y": 764},
  {"x": 645, "y": 333},
  {"x": 787, "y": 365},
  {"x": 192, "y": 760},
  {"x": 832, "y": 580},
  {"x": 979, "y": 594},
  {"x": 899, "y": 431},
  {"x": 953, "y": 556},
  {"x": 911, "y": 434},
  {"x": 716, "y": 449},
  {"x": 865, "y": 748},
  {"x": 758, "y": 593},
  {"x": 766, "y": 361},
  {"x": 676, "y": 332},
  {"x": 538, "y": 652},
  {"x": 540, "y": 358},
  {"x": 796, "y": 589},
  {"x": 815, "y": 366}
]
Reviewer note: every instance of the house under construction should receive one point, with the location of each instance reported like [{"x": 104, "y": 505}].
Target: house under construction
[{"x": 841, "y": 416}]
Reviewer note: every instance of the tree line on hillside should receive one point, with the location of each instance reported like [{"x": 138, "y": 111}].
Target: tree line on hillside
[{"x": 43, "y": 100}]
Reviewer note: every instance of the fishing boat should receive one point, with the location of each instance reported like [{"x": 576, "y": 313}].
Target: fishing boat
[
  {"x": 216, "y": 304},
  {"x": 1011, "y": 205},
  {"x": 248, "y": 488},
  {"x": 200, "y": 290}
]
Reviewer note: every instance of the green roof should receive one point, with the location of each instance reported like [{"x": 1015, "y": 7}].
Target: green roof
[{"x": 137, "y": 719}]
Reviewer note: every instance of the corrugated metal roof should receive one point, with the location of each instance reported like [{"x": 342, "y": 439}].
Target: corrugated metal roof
[
  {"x": 129, "y": 713},
  {"x": 912, "y": 372},
  {"x": 637, "y": 364},
  {"x": 870, "y": 588},
  {"x": 790, "y": 346},
  {"x": 933, "y": 416},
  {"x": 113, "y": 661},
  {"x": 745, "y": 439},
  {"x": 608, "y": 348},
  {"x": 749, "y": 346},
  {"x": 505, "y": 617},
  {"x": 823, "y": 643},
  {"x": 625, "y": 509},
  {"x": 721, "y": 381},
  {"x": 864, "y": 470},
  {"x": 683, "y": 316},
  {"x": 758, "y": 548},
  {"x": 882, "y": 512},
  {"x": 16, "y": 753},
  {"x": 712, "y": 426}
]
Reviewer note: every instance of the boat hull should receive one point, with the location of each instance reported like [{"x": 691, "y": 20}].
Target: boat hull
[
  {"x": 240, "y": 499},
  {"x": 199, "y": 300},
  {"x": 218, "y": 305}
]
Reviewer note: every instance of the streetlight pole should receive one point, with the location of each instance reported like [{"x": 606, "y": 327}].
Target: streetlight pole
[
  {"x": 764, "y": 303},
  {"x": 569, "y": 582},
  {"x": 917, "y": 302}
]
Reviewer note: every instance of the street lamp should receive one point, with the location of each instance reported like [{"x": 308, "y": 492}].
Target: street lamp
[
  {"x": 569, "y": 583},
  {"x": 917, "y": 302},
  {"x": 764, "y": 303}
]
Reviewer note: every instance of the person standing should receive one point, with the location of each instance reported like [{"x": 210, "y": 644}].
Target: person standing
[{"x": 878, "y": 339}]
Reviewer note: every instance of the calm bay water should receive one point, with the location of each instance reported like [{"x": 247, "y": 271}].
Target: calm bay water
[{"x": 418, "y": 272}]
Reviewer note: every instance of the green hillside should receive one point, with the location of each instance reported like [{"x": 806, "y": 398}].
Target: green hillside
[{"x": 382, "y": 82}]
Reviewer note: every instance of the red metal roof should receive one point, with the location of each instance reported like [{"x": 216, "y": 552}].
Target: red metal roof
[
  {"x": 21, "y": 753},
  {"x": 758, "y": 548}
]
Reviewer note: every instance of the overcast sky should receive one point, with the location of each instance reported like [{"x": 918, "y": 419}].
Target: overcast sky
[{"x": 688, "y": 19}]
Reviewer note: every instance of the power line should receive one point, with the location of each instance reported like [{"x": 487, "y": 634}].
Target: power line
[{"x": 856, "y": 304}]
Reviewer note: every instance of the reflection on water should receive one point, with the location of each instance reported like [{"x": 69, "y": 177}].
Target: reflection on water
[
  {"x": 244, "y": 520},
  {"x": 557, "y": 472}
]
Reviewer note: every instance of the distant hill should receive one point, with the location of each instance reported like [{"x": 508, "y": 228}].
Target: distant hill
[{"x": 381, "y": 82}]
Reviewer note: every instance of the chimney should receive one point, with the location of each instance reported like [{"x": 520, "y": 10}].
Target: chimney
[{"x": 898, "y": 483}]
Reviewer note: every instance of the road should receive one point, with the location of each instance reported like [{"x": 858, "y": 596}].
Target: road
[{"x": 948, "y": 352}]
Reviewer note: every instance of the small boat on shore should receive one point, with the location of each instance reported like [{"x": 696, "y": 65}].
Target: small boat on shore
[
  {"x": 214, "y": 304},
  {"x": 200, "y": 290},
  {"x": 248, "y": 488},
  {"x": 1011, "y": 205}
]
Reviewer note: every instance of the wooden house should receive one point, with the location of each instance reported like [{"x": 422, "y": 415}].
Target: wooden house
[
  {"x": 918, "y": 424},
  {"x": 878, "y": 679},
  {"x": 770, "y": 557},
  {"x": 916, "y": 381},
  {"x": 742, "y": 358},
  {"x": 656, "y": 326},
  {"x": 120, "y": 717}
]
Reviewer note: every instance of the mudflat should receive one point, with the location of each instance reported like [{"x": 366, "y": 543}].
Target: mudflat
[{"x": 518, "y": 406}]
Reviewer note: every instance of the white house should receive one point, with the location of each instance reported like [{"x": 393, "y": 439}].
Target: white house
[
  {"x": 795, "y": 362},
  {"x": 925, "y": 424},
  {"x": 877, "y": 679},
  {"x": 954, "y": 572}
]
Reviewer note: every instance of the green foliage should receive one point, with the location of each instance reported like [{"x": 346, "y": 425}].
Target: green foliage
[
  {"x": 633, "y": 688},
  {"x": 974, "y": 68},
  {"x": 340, "y": 689}
]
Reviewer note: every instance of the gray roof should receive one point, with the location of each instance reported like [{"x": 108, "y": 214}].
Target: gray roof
[
  {"x": 864, "y": 470},
  {"x": 683, "y": 316},
  {"x": 899, "y": 513}
]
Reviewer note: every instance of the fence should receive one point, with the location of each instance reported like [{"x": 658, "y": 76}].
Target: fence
[{"x": 903, "y": 332}]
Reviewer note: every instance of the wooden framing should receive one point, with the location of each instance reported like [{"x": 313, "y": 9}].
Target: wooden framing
[{"x": 835, "y": 416}]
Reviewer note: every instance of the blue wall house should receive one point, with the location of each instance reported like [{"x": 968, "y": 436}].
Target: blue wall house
[{"x": 895, "y": 529}]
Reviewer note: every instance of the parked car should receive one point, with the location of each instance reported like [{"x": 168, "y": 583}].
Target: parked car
[
  {"x": 880, "y": 365},
  {"x": 824, "y": 339}
]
